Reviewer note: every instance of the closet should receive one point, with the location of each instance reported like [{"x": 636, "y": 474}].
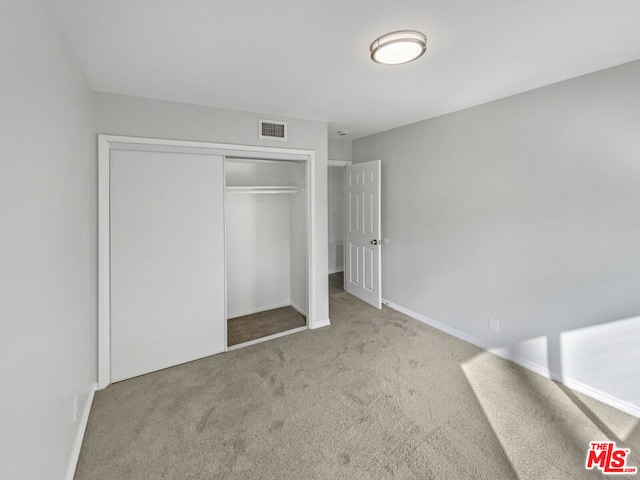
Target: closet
[
  {"x": 194, "y": 237},
  {"x": 266, "y": 237}
]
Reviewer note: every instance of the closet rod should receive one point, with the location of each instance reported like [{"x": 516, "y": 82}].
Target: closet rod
[
  {"x": 263, "y": 189},
  {"x": 292, "y": 159}
]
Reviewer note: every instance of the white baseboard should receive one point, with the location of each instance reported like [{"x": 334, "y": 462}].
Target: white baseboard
[
  {"x": 523, "y": 362},
  {"x": 440, "y": 326},
  {"x": 569, "y": 382},
  {"x": 320, "y": 324},
  {"x": 604, "y": 397},
  {"x": 336, "y": 270},
  {"x": 77, "y": 444}
]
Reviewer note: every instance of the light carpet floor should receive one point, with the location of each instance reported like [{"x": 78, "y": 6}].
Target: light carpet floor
[{"x": 376, "y": 395}]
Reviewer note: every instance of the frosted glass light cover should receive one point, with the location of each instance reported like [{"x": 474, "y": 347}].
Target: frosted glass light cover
[{"x": 398, "y": 47}]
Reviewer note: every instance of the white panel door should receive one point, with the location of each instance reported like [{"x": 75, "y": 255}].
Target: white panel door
[
  {"x": 167, "y": 260},
  {"x": 362, "y": 248}
]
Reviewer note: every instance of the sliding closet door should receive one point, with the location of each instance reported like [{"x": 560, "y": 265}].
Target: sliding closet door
[{"x": 167, "y": 260}]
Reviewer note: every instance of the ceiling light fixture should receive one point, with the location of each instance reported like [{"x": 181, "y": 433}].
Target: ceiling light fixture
[{"x": 399, "y": 47}]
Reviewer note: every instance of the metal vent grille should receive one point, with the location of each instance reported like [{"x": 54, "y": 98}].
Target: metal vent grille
[{"x": 272, "y": 129}]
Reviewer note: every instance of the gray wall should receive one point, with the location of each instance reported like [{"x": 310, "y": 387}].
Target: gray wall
[
  {"x": 125, "y": 115},
  {"x": 48, "y": 273},
  {"x": 525, "y": 209}
]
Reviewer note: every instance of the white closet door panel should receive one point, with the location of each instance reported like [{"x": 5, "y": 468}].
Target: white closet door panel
[{"x": 167, "y": 260}]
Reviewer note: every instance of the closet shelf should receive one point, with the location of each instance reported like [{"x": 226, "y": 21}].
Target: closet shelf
[{"x": 263, "y": 189}]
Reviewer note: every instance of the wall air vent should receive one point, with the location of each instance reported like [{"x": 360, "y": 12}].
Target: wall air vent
[{"x": 272, "y": 130}]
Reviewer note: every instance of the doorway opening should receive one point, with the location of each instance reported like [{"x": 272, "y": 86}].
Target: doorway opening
[
  {"x": 354, "y": 228},
  {"x": 335, "y": 197}
]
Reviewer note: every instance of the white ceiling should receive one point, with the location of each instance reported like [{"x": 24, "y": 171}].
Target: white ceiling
[{"x": 310, "y": 59}]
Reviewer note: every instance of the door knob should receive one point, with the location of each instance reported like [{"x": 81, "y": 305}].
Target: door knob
[{"x": 374, "y": 242}]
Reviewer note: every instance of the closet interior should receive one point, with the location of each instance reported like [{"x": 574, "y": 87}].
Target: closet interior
[{"x": 266, "y": 248}]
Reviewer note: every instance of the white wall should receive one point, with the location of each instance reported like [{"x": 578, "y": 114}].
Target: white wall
[
  {"x": 526, "y": 210},
  {"x": 340, "y": 149},
  {"x": 299, "y": 241},
  {"x": 125, "y": 115},
  {"x": 258, "y": 253},
  {"x": 48, "y": 190}
]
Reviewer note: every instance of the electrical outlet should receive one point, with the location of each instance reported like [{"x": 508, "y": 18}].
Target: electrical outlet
[
  {"x": 494, "y": 325},
  {"x": 75, "y": 409}
]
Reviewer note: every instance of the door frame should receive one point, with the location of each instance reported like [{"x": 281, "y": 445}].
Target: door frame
[{"x": 107, "y": 143}]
